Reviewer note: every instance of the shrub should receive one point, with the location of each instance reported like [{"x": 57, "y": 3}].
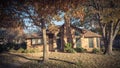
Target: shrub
[
  {"x": 80, "y": 49},
  {"x": 21, "y": 50},
  {"x": 12, "y": 50},
  {"x": 29, "y": 51},
  {"x": 32, "y": 50},
  {"x": 68, "y": 48},
  {"x": 95, "y": 50}
]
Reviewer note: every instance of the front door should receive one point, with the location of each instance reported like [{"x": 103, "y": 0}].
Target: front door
[
  {"x": 50, "y": 44},
  {"x": 58, "y": 43}
]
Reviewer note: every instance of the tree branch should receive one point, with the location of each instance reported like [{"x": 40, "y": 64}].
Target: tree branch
[
  {"x": 116, "y": 29},
  {"x": 110, "y": 28}
]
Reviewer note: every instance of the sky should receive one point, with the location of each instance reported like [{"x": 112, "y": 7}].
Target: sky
[
  {"x": 61, "y": 14},
  {"x": 58, "y": 22},
  {"x": 32, "y": 27}
]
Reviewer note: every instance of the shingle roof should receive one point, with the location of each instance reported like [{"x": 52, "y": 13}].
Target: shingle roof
[
  {"x": 34, "y": 35},
  {"x": 86, "y": 33},
  {"x": 53, "y": 28},
  {"x": 91, "y": 34}
]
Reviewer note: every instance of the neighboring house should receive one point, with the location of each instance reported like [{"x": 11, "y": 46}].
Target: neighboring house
[
  {"x": 58, "y": 36},
  {"x": 34, "y": 41},
  {"x": 11, "y": 35},
  {"x": 2, "y": 36},
  {"x": 116, "y": 42}
]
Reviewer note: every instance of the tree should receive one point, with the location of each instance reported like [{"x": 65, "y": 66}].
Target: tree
[
  {"x": 49, "y": 8},
  {"x": 42, "y": 11},
  {"x": 10, "y": 20},
  {"x": 107, "y": 14}
]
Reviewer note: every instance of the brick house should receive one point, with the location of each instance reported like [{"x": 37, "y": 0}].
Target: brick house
[{"x": 58, "y": 36}]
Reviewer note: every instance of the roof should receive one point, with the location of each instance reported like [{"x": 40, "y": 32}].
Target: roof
[
  {"x": 34, "y": 35},
  {"x": 91, "y": 34},
  {"x": 85, "y": 32},
  {"x": 53, "y": 28}
]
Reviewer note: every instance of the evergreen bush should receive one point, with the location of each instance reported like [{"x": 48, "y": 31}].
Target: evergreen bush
[
  {"x": 68, "y": 48},
  {"x": 95, "y": 50}
]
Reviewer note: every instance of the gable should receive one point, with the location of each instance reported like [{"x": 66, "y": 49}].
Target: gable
[{"x": 91, "y": 34}]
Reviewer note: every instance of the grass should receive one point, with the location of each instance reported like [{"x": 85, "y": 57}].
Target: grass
[{"x": 61, "y": 60}]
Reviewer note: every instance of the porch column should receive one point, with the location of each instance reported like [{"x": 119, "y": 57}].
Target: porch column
[
  {"x": 29, "y": 43},
  {"x": 82, "y": 41},
  {"x": 95, "y": 43},
  {"x": 55, "y": 41},
  {"x": 74, "y": 41},
  {"x": 73, "y": 38}
]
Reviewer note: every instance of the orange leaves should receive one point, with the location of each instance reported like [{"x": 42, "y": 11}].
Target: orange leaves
[{"x": 54, "y": 5}]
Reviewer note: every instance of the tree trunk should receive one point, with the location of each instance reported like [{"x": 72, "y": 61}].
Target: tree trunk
[
  {"x": 108, "y": 49},
  {"x": 45, "y": 47},
  {"x": 68, "y": 30},
  {"x": 106, "y": 46},
  {"x": 109, "y": 37}
]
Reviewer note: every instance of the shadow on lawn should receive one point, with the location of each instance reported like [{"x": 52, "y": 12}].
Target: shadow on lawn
[
  {"x": 9, "y": 60},
  {"x": 21, "y": 56},
  {"x": 40, "y": 60}
]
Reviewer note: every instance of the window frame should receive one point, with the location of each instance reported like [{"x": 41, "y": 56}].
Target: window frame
[
  {"x": 91, "y": 42},
  {"x": 36, "y": 41}
]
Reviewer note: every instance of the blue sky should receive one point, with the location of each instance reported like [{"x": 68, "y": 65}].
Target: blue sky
[
  {"x": 58, "y": 22},
  {"x": 61, "y": 14}
]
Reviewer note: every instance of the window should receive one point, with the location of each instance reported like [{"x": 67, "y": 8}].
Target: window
[
  {"x": 36, "y": 41},
  {"x": 91, "y": 43}
]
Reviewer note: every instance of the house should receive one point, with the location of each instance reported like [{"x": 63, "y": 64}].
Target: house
[
  {"x": 58, "y": 36},
  {"x": 79, "y": 37}
]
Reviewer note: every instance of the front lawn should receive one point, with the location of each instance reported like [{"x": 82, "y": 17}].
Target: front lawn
[{"x": 59, "y": 60}]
